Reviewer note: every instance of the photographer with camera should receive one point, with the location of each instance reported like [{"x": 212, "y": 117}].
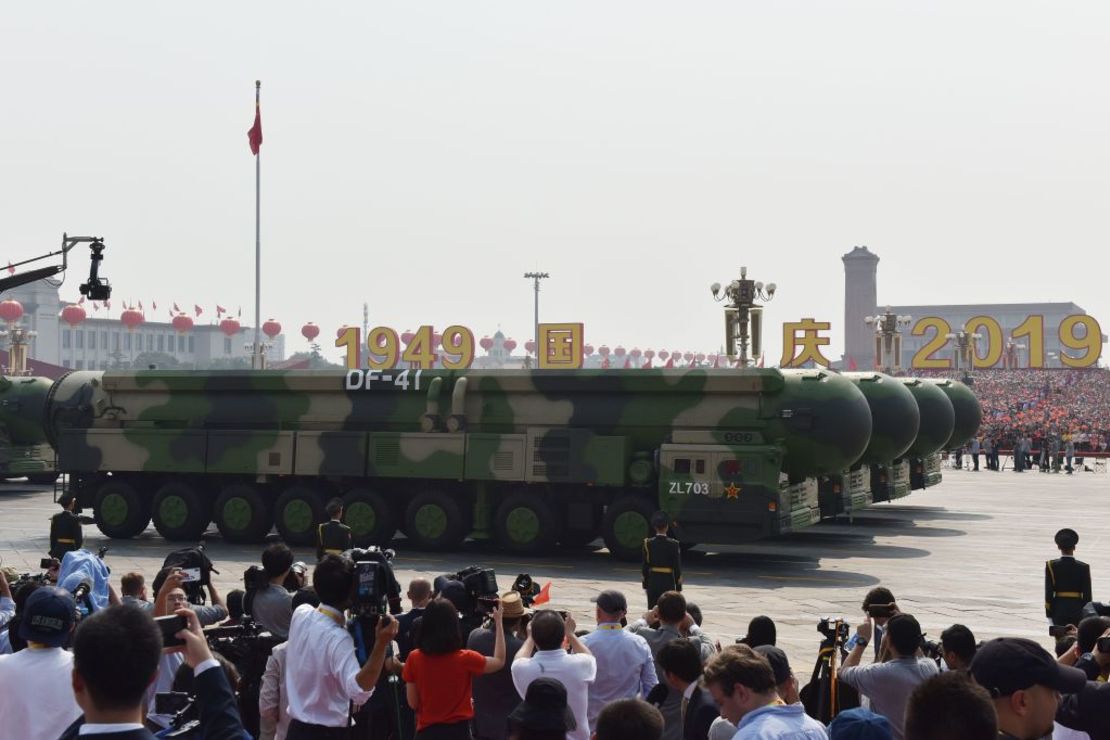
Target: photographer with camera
[
  {"x": 878, "y": 607},
  {"x": 439, "y": 672},
  {"x": 272, "y": 605},
  {"x": 169, "y": 589},
  {"x": 889, "y": 685},
  {"x": 322, "y": 674},
  {"x": 576, "y": 670},
  {"x": 495, "y": 696},
  {"x": 34, "y": 702},
  {"x": 625, "y": 664}
]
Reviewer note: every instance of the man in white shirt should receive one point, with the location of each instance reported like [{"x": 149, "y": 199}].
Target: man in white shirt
[
  {"x": 625, "y": 666},
  {"x": 34, "y": 702},
  {"x": 322, "y": 674},
  {"x": 576, "y": 671}
]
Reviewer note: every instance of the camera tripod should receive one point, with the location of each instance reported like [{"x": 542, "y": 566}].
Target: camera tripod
[{"x": 825, "y": 696}]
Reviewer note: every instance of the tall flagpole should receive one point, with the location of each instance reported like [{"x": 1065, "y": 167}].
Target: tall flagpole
[{"x": 257, "y": 360}]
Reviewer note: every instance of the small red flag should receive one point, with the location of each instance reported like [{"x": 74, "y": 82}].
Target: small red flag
[
  {"x": 220, "y": 310},
  {"x": 175, "y": 308},
  {"x": 255, "y": 134},
  {"x": 80, "y": 300},
  {"x": 544, "y": 595},
  {"x": 198, "y": 309},
  {"x": 670, "y": 363},
  {"x": 155, "y": 305}
]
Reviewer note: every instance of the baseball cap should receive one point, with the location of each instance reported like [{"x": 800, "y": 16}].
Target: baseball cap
[
  {"x": 611, "y": 602},
  {"x": 544, "y": 708},
  {"x": 860, "y": 724},
  {"x": 48, "y": 616},
  {"x": 1008, "y": 664},
  {"x": 780, "y": 666}
]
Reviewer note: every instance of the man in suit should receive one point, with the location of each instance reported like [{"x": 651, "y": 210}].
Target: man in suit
[
  {"x": 115, "y": 657},
  {"x": 65, "y": 529},
  {"x": 1067, "y": 582},
  {"x": 333, "y": 537},
  {"x": 681, "y": 663},
  {"x": 662, "y": 566}
]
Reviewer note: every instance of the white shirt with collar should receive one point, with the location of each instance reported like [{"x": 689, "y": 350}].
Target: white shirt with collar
[
  {"x": 321, "y": 668},
  {"x": 35, "y": 695},
  {"x": 576, "y": 671},
  {"x": 105, "y": 729}
]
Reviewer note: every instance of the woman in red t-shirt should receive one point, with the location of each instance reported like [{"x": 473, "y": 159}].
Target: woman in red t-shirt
[{"x": 438, "y": 672}]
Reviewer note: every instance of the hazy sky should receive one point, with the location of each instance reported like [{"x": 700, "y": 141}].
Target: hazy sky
[{"x": 422, "y": 156}]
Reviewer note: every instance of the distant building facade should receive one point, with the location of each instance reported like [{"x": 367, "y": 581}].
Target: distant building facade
[{"x": 99, "y": 343}]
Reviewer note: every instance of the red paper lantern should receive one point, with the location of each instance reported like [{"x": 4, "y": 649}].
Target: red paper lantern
[
  {"x": 73, "y": 314},
  {"x": 11, "y": 311},
  {"x": 182, "y": 323},
  {"x": 530, "y": 346},
  {"x": 620, "y": 351},
  {"x": 229, "y": 327},
  {"x": 635, "y": 353},
  {"x": 271, "y": 328},
  {"x": 603, "y": 350},
  {"x": 650, "y": 353},
  {"x": 407, "y": 336},
  {"x": 130, "y": 318},
  {"x": 509, "y": 345},
  {"x": 340, "y": 330},
  {"x": 664, "y": 354},
  {"x": 310, "y": 331},
  {"x": 688, "y": 356},
  {"x": 588, "y": 350},
  {"x": 436, "y": 339},
  {"x": 485, "y": 343},
  {"x": 700, "y": 357}
]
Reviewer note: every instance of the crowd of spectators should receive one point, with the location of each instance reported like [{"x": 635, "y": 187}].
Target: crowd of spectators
[{"x": 520, "y": 673}]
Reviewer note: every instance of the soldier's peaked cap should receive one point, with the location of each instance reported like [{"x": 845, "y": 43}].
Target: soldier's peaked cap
[{"x": 1067, "y": 538}]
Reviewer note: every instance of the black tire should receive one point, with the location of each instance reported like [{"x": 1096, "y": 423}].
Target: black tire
[
  {"x": 179, "y": 512},
  {"x": 42, "y": 479},
  {"x": 525, "y": 523},
  {"x": 297, "y": 512},
  {"x": 242, "y": 514},
  {"x": 627, "y": 523},
  {"x": 370, "y": 516},
  {"x": 120, "y": 512},
  {"x": 435, "y": 521}
]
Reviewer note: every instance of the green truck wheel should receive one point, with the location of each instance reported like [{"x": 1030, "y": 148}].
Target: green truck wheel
[
  {"x": 179, "y": 512},
  {"x": 297, "y": 512},
  {"x": 241, "y": 514},
  {"x": 525, "y": 524},
  {"x": 121, "y": 513},
  {"x": 370, "y": 517},
  {"x": 627, "y": 525},
  {"x": 435, "y": 521}
]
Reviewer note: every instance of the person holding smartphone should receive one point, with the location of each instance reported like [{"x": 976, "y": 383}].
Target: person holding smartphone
[{"x": 879, "y": 606}]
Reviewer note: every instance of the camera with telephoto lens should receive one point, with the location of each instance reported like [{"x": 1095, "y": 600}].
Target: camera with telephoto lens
[
  {"x": 835, "y": 629},
  {"x": 181, "y": 708},
  {"x": 481, "y": 589},
  {"x": 932, "y": 649},
  {"x": 527, "y": 588},
  {"x": 375, "y": 590}
]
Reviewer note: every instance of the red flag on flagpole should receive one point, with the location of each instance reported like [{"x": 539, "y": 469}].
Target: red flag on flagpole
[
  {"x": 544, "y": 595},
  {"x": 198, "y": 309},
  {"x": 80, "y": 300},
  {"x": 154, "y": 305},
  {"x": 175, "y": 308},
  {"x": 220, "y": 310},
  {"x": 255, "y": 133}
]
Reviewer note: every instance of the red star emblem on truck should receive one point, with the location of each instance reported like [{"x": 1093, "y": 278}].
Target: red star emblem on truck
[{"x": 732, "y": 491}]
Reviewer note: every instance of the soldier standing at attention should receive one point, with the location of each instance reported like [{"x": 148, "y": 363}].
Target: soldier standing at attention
[
  {"x": 65, "y": 529},
  {"x": 662, "y": 566},
  {"x": 1067, "y": 582},
  {"x": 333, "y": 537}
]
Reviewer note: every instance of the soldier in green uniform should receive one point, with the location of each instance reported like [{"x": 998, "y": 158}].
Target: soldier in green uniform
[
  {"x": 662, "y": 567},
  {"x": 1067, "y": 582},
  {"x": 65, "y": 529},
  {"x": 333, "y": 536}
]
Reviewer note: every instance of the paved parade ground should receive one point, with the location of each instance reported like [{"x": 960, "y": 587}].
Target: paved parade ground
[{"x": 970, "y": 551}]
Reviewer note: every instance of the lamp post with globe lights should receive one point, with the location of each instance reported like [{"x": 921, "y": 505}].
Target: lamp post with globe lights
[
  {"x": 965, "y": 347},
  {"x": 1010, "y": 359},
  {"x": 743, "y": 316},
  {"x": 888, "y": 338}
]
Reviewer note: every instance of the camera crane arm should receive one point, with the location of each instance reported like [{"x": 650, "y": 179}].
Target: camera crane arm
[{"x": 97, "y": 288}]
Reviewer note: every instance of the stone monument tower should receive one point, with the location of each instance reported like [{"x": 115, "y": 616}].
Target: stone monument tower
[{"x": 860, "y": 301}]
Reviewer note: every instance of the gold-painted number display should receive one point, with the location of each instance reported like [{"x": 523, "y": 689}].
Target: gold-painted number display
[
  {"x": 349, "y": 338},
  {"x": 1032, "y": 329},
  {"x": 382, "y": 342},
  {"x": 420, "y": 351},
  {"x": 991, "y": 343},
  {"x": 924, "y": 357},
  {"x": 458, "y": 342},
  {"x": 1090, "y": 341}
]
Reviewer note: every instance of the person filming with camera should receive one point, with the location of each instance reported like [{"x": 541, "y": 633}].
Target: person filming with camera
[
  {"x": 272, "y": 606},
  {"x": 322, "y": 675}
]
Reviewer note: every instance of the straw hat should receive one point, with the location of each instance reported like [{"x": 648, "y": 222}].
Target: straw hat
[{"x": 512, "y": 606}]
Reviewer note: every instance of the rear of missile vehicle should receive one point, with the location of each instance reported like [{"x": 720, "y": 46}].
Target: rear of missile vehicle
[
  {"x": 526, "y": 459},
  {"x": 895, "y": 422},
  {"x": 938, "y": 420}
]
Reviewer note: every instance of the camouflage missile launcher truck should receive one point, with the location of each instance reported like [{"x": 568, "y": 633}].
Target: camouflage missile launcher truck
[
  {"x": 938, "y": 420},
  {"x": 24, "y": 451},
  {"x": 895, "y": 421},
  {"x": 527, "y": 459}
]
